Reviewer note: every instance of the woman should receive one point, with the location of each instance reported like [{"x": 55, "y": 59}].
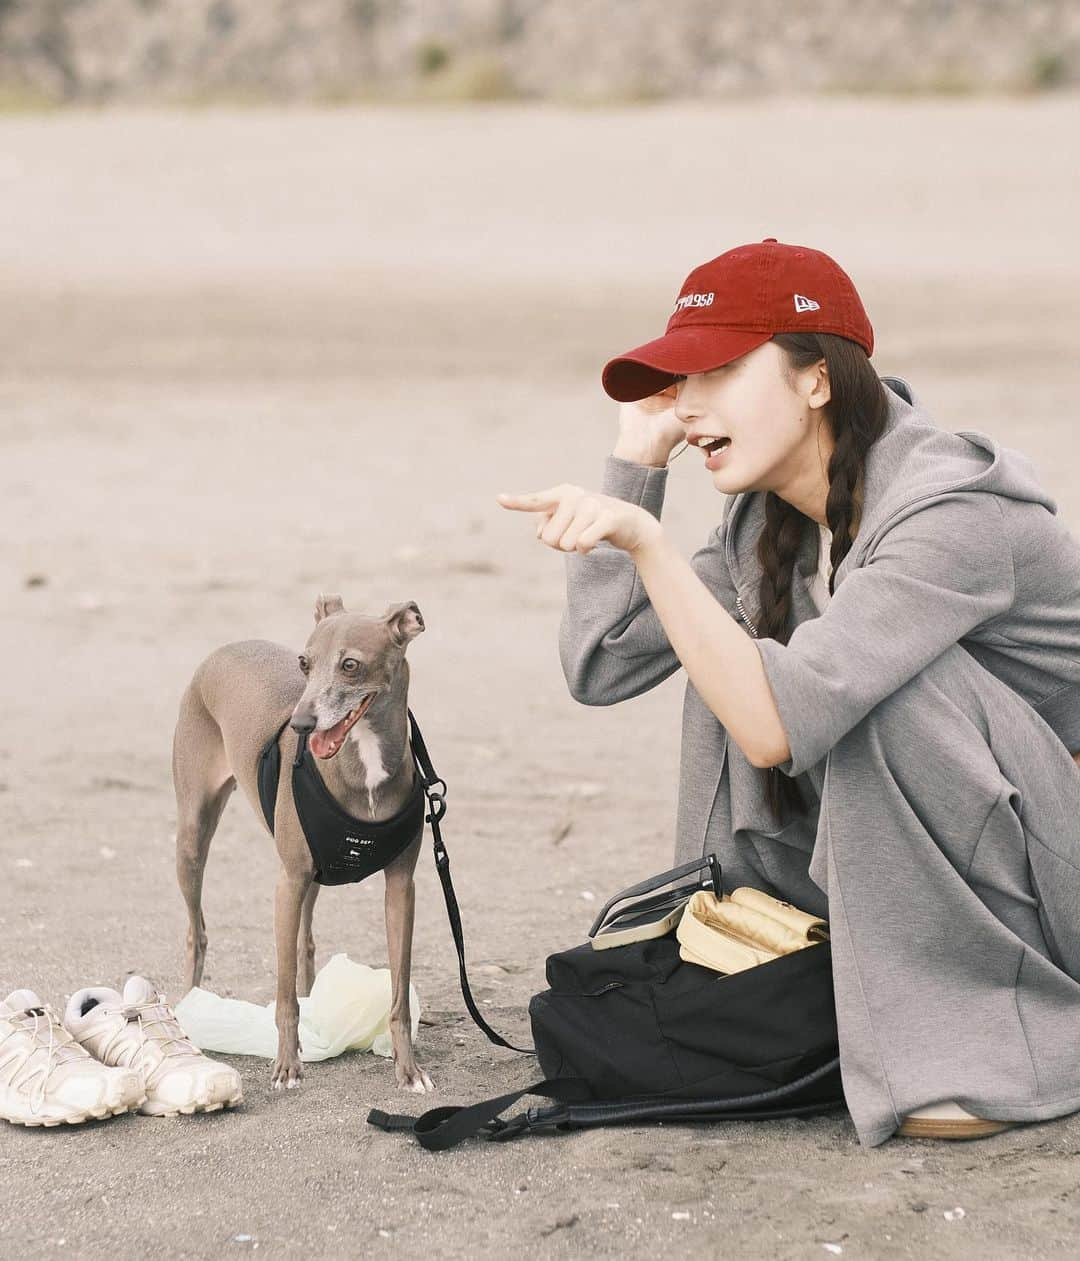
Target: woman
[{"x": 882, "y": 648}]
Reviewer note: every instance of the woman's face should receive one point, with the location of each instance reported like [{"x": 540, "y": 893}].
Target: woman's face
[{"x": 773, "y": 424}]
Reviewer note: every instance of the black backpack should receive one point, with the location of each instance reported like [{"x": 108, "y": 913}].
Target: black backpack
[{"x": 633, "y": 1033}]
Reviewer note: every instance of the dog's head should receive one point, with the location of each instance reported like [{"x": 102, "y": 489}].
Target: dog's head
[{"x": 350, "y": 660}]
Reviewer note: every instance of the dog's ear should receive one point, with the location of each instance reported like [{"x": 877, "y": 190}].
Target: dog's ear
[
  {"x": 404, "y": 621},
  {"x": 327, "y": 604}
]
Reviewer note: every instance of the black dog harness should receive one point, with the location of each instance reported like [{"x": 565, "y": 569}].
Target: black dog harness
[{"x": 346, "y": 850}]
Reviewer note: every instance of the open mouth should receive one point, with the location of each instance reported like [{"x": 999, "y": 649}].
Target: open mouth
[
  {"x": 324, "y": 744},
  {"x": 714, "y": 451}
]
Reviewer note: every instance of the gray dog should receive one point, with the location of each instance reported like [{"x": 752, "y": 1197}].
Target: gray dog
[{"x": 349, "y": 692}]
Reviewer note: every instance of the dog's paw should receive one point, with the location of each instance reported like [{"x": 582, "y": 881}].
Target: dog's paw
[
  {"x": 416, "y": 1081},
  {"x": 287, "y": 1076}
]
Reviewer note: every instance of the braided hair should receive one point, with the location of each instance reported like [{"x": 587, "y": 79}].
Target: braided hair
[{"x": 856, "y": 415}]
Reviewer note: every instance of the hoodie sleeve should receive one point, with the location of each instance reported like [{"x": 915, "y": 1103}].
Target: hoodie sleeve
[
  {"x": 930, "y": 580},
  {"x": 612, "y": 645}
]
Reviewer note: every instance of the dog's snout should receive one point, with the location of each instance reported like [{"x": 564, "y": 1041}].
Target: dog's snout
[{"x": 303, "y": 723}]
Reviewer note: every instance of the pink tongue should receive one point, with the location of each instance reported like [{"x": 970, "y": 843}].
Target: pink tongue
[{"x": 319, "y": 742}]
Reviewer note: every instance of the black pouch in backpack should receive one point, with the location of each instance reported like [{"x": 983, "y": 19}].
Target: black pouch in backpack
[{"x": 634, "y": 1033}]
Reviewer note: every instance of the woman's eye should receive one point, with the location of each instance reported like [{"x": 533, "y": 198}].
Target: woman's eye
[{"x": 350, "y": 664}]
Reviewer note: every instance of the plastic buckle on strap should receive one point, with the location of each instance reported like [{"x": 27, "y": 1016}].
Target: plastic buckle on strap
[
  {"x": 501, "y": 1131},
  {"x": 554, "y": 1116},
  {"x": 442, "y": 858}
]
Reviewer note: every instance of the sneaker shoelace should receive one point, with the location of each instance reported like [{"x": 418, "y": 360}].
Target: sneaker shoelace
[
  {"x": 58, "y": 1049},
  {"x": 157, "y": 1023}
]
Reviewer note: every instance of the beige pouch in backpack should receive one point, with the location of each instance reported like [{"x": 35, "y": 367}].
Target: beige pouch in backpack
[{"x": 744, "y": 929}]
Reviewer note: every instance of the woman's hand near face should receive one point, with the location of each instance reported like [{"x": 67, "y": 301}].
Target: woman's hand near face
[
  {"x": 573, "y": 519},
  {"x": 649, "y": 430}
]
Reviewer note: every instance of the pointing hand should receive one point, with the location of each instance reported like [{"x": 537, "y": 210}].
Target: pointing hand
[{"x": 575, "y": 520}]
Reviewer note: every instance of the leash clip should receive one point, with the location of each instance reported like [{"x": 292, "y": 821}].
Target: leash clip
[{"x": 438, "y": 806}]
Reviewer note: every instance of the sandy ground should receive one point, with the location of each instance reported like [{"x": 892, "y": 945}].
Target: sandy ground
[{"x": 252, "y": 356}]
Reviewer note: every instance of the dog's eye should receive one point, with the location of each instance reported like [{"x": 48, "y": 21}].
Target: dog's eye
[
  {"x": 304, "y": 664},
  {"x": 350, "y": 665}
]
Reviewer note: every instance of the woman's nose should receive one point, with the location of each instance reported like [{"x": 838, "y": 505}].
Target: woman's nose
[{"x": 686, "y": 409}]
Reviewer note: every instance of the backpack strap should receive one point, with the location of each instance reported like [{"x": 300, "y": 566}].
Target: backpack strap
[
  {"x": 442, "y": 1128},
  {"x": 817, "y": 1091}
]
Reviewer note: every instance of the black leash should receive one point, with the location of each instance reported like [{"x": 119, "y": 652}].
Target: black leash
[{"x": 437, "y": 802}]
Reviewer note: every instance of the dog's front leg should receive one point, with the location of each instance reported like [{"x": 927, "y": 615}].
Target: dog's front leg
[
  {"x": 292, "y": 886},
  {"x": 400, "y": 903}
]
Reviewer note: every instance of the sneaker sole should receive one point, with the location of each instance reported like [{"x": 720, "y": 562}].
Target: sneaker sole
[
  {"x": 915, "y": 1127},
  {"x": 91, "y": 1114},
  {"x": 151, "y": 1109}
]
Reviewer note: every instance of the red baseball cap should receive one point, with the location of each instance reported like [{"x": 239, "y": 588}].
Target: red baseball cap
[{"x": 735, "y": 302}]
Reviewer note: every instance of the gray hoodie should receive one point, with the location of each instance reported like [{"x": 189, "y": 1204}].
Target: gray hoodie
[{"x": 957, "y": 542}]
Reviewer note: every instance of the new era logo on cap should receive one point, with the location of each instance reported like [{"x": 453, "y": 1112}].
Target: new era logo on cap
[{"x": 806, "y": 304}]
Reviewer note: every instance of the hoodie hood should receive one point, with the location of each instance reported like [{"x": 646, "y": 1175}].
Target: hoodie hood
[{"x": 913, "y": 463}]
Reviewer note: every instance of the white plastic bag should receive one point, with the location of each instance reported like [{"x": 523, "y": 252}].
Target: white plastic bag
[{"x": 348, "y": 1010}]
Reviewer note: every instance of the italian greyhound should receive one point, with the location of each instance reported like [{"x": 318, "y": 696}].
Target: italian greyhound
[{"x": 348, "y": 691}]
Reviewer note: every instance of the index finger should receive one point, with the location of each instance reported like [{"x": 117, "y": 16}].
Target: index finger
[{"x": 531, "y": 501}]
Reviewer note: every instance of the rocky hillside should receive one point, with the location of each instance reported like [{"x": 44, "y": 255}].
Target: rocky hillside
[{"x": 563, "y": 50}]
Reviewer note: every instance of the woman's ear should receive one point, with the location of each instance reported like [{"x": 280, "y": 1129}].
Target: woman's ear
[{"x": 820, "y": 386}]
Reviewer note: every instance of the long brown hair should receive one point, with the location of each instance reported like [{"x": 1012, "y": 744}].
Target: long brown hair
[{"x": 856, "y": 415}]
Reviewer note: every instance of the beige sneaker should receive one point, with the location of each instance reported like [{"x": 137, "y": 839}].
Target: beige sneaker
[
  {"x": 46, "y": 1078},
  {"x": 949, "y": 1120},
  {"x": 140, "y": 1030}
]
